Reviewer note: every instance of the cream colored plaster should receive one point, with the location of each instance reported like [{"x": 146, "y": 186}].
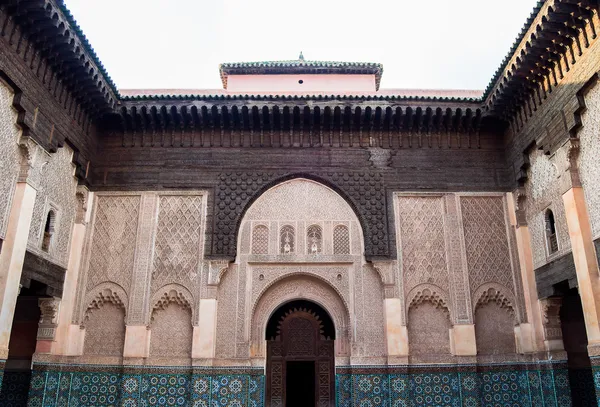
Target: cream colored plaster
[
  {"x": 137, "y": 341},
  {"x": 462, "y": 340},
  {"x": 396, "y": 333},
  {"x": 524, "y": 335},
  {"x": 203, "y": 346}
]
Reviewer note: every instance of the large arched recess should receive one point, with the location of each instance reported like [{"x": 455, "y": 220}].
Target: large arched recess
[{"x": 364, "y": 191}]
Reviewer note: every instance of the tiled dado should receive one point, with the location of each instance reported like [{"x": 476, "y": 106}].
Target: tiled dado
[
  {"x": 452, "y": 386},
  {"x": 531, "y": 385},
  {"x": 99, "y": 386}
]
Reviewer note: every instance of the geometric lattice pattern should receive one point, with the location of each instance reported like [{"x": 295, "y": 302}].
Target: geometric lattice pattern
[
  {"x": 341, "y": 240},
  {"x": 260, "y": 240},
  {"x": 115, "y": 230},
  {"x": 177, "y": 247},
  {"x": 456, "y": 388},
  {"x": 486, "y": 241},
  {"x": 152, "y": 387},
  {"x": 422, "y": 237}
]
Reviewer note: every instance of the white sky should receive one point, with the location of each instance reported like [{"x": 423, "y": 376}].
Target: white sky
[{"x": 445, "y": 44}]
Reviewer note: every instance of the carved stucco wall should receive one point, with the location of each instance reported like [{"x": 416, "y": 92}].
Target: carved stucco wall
[
  {"x": 494, "y": 329},
  {"x": 428, "y": 331},
  {"x": 589, "y": 159},
  {"x": 543, "y": 191},
  {"x": 146, "y": 248},
  {"x": 171, "y": 332},
  {"x": 105, "y": 330},
  {"x": 10, "y": 158},
  {"x": 56, "y": 185},
  {"x": 453, "y": 250},
  {"x": 258, "y": 273}
]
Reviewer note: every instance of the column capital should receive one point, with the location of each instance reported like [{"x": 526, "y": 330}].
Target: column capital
[{"x": 49, "y": 320}]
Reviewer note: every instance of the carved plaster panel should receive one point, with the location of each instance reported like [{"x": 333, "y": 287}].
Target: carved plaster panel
[
  {"x": 177, "y": 247},
  {"x": 113, "y": 240},
  {"x": 56, "y": 191},
  {"x": 544, "y": 191},
  {"x": 486, "y": 241},
  {"x": 589, "y": 159},
  {"x": 421, "y": 239},
  {"x": 264, "y": 277},
  {"x": 10, "y": 157},
  {"x": 105, "y": 331},
  {"x": 171, "y": 331}
]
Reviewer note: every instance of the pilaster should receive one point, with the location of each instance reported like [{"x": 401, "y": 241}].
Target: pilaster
[
  {"x": 530, "y": 336},
  {"x": 582, "y": 245},
  {"x": 462, "y": 340},
  {"x": 204, "y": 335},
  {"x": 68, "y": 335}
]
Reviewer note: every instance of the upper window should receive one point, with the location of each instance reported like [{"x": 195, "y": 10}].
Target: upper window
[
  {"x": 48, "y": 231},
  {"x": 551, "y": 238},
  {"x": 260, "y": 240},
  {"x": 341, "y": 240},
  {"x": 286, "y": 239},
  {"x": 314, "y": 236}
]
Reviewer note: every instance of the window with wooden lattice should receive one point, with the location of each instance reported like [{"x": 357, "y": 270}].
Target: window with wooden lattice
[{"x": 341, "y": 240}]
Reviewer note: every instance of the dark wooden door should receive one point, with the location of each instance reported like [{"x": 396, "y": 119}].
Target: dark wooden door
[{"x": 300, "y": 339}]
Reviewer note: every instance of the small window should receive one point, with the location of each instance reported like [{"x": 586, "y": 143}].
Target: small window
[
  {"x": 551, "y": 238},
  {"x": 260, "y": 240},
  {"x": 286, "y": 239},
  {"x": 314, "y": 236},
  {"x": 341, "y": 240},
  {"x": 48, "y": 231}
]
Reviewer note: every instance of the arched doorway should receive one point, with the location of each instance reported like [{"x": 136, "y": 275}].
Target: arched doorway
[{"x": 300, "y": 356}]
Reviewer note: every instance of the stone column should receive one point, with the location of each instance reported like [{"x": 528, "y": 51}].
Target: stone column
[
  {"x": 68, "y": 339},
  {"x": 584, "y": 252},
  {"x": 49, "y": 308},
  {"x": 530, "y": 335},
  {"x": 14, "y": 248}
]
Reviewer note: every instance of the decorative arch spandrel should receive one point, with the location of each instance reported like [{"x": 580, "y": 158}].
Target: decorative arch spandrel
[{"x": 294, "y": 288}]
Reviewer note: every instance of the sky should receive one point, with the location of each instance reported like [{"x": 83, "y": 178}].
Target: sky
[{"x": 432, "y": 44}]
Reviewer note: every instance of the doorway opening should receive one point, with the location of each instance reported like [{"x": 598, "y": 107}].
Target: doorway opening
[
  {"x": 575, "y": 340},
  {"x": 300, "y": 384},
  {"x": 300, "y": 356}
]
